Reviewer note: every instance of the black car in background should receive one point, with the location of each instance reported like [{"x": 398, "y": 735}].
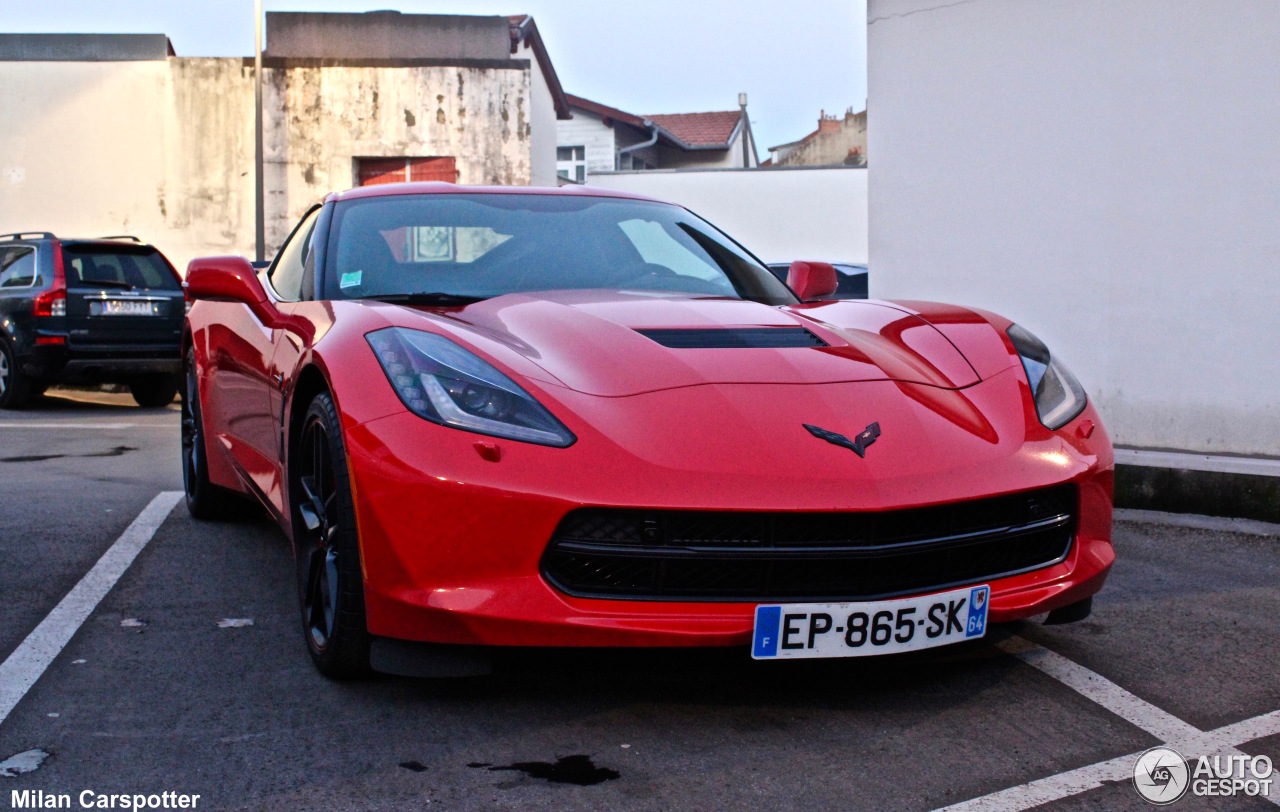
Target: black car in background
[
  {"x": 851, "y": 280},
  {"x": 93, "y": 311}
]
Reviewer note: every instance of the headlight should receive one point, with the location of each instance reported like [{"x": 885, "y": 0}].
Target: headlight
[
  {"x": 443, "y": 383},
  {"x": 1059, "y": 396}
]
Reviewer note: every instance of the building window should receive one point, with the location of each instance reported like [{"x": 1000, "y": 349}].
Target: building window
[
  {"x": 571, "y": 163},
  {"x": 374, "y": 171}
]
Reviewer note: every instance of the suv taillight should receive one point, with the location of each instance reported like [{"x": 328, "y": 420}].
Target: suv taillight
[{"x": 53, "y": 302}]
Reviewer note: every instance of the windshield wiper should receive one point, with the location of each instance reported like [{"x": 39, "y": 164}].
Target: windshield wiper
[{"x": 430, "y": 299}]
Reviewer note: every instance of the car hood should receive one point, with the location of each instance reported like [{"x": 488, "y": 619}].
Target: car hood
[{"x": 594, "y": 342}]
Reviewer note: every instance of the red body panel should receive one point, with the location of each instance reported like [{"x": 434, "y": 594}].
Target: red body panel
[{"x": 452, "y": 524}]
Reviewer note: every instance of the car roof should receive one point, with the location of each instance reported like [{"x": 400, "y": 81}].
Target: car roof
[
  {"x": 442, "y": 188},
  {"x": 37, "y": 236}
]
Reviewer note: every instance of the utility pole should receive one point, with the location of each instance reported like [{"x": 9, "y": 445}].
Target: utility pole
[
  {"x": 260, "y": 218},
  {"x": 746, "y": 131}
]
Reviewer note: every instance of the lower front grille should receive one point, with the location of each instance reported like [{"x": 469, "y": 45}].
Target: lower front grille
[{"x": 758, "y": 556}]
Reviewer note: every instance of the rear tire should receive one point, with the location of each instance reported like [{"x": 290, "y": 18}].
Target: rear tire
[
  {"x": 326, "y": 546},
  {"x": 155, "y": 391},
  {"x": 204, "y": 499},
  {"x": 15, "y": 388}
]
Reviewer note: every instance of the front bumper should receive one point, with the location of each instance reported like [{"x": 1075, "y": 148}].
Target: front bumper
[{"x": 452, "y": 542}]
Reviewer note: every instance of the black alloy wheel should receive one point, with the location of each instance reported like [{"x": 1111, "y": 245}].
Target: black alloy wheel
[{"x": 330, "y": 586}]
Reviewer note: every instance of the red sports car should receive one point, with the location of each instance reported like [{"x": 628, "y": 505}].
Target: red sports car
[{"x": 571, "y": 417}]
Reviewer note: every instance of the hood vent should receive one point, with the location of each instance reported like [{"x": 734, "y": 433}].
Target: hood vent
[{"x": 719, "y": 338}]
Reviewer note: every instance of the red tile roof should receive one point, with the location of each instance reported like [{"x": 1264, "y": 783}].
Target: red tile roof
[{"x": 700, "y": 129}]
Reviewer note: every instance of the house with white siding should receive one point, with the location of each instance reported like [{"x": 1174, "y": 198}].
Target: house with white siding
[{"x": 598, "y": 138}]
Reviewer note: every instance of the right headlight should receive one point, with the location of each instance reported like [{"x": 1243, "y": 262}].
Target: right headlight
[
  {"x": 444, "y": 383},
  {"x": 1058, "y": 395}
]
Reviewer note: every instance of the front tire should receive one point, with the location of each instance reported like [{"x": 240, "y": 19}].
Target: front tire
[
  {"x": 15, "y": 388},
  {"x": 326, "y": 546},
  {"x": 155, "y": 391}
]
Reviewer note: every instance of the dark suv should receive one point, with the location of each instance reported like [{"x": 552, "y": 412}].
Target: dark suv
[{"x": 106, "y": 310}]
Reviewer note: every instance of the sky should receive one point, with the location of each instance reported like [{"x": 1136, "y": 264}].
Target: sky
[{"x": 643, "y": 56}]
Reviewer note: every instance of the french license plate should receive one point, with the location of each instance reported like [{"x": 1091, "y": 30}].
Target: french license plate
[
  {"x": 123, "y": 307},
  {"x": 873, "y": 627}
]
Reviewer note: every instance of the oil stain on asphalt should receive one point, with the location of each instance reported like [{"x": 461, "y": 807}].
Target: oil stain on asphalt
[
  {"x": 578, "y": 770},
  {"x": 118, "y": 451}
]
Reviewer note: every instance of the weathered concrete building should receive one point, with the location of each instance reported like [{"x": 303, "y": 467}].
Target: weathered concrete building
[{"x": 108, "y": 134}]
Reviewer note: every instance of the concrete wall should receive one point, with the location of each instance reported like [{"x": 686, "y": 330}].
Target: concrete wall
[
  {"x": 542, "y": 121},
  {"x": 779, "y": 214},
  {"x": 1103, "y": 171},
  {"x": 160, "y": 149},
  {"x": 164, "y": 149},
  {"x": 333, "y": 115},
  {"x": 386, "y": 35}
]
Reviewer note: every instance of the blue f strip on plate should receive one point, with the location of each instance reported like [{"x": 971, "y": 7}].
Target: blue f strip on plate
[{"x": 767, "y": 620}]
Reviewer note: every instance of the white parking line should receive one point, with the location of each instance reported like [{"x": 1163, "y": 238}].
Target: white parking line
[
  {"x": 30, "y": 659},
  {"x": 1164, "y": 726},
  {"x": 1188, "y": 740}
]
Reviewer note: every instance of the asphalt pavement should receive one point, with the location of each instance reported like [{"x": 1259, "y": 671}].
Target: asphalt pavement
[{"x": 190, "y": 676}]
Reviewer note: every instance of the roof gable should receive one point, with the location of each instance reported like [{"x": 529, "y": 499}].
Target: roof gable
[{"x": 714, "y": 130}]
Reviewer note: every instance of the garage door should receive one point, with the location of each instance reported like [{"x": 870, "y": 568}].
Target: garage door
[{"x": 398, "y": 170}]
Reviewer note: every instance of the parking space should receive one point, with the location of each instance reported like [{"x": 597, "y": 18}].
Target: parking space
[{"x": 190, "y": 676}]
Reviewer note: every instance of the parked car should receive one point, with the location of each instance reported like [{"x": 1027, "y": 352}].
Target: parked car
[
  {"x": 91, "y": 311},
  {"x": 574, "y": 417},
  {"x": 851, "y": 279}
]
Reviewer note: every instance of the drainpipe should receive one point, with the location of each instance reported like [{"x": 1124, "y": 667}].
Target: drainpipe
[
  {"x": 653, "y": 139},
  {"x": 259, "y": 217}
]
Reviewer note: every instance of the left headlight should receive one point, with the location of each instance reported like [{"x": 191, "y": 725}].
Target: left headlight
[
  {"x": 1059, "y": 396},
  {"x": 444, "y": 383}
]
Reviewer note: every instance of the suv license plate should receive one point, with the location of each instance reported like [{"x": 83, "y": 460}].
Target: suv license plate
[
  {"x": 123, "y": 307},
  {"x": 873, "y": 627}
]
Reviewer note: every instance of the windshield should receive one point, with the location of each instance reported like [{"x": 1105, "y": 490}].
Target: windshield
[{"x": 484, "y": 245}]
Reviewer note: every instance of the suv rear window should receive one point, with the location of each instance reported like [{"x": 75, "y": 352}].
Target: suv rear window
[{"x": 117, "y": 266}]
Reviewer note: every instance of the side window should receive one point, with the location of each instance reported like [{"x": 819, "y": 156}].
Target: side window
[
  {"x": 286, "y": 276},
  {"x": 18, "y": 268}
]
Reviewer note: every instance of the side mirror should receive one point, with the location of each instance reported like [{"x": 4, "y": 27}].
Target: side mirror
[
  {"x": 812, "y": 280},
  {"x": 225, "y": 279}
]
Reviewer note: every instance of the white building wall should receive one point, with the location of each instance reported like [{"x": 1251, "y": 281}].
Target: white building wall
[
  {"x": 542, "y": 118},
  {"x": 587, "y": 130},
  {"x": 164, "y": 149},
  {"x": 780, "y": 215},
  {"x": 1103, "y": 171}
]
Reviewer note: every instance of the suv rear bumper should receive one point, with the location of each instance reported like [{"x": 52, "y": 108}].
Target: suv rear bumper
[{"x": 99, "y": 364}]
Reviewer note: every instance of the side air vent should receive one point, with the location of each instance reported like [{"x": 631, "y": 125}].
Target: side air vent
[{"x": 718, "y": 338}]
